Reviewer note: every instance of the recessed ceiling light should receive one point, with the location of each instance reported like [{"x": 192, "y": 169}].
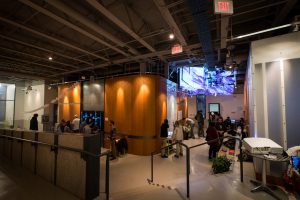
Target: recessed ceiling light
[
  {"x": 50, "y": 58},
  {"x": 171, "y": 36}
]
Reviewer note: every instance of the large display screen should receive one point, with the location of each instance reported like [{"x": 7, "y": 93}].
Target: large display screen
[{"x": 198, "y": 80}]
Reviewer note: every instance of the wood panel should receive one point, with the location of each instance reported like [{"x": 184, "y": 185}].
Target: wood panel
[
  {"x": 45, "y": 157},
  {"x": 138, "y": 105},
  {"x": 69, "y": 101},
  {"x": 70, "y": 163},
  {"x": 17, "y": 148}
]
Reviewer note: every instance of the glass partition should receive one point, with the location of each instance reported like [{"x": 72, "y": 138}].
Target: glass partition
[{"x": 7, "y": 105}]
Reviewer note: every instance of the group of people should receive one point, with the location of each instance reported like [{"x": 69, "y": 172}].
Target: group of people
[
  {"x": 216, "y": 129},
  {"x": 214, "y": 133},
  {"x": 87, "y": 126},
  {"x": 182, "y": 130}
]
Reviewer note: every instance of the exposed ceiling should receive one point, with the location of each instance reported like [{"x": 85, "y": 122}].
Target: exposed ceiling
[{"x": 105, "y": 37}]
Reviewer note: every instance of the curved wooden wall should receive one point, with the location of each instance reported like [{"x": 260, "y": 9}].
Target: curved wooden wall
[
  {"x": 69, "y": 101},
  {"x": 138, "y": 105}
]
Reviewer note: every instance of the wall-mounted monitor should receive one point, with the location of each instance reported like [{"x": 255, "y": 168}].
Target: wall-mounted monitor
[{"x": 214, "y": 107}]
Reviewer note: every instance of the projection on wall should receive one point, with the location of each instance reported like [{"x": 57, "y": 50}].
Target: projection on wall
[{"x": 199, "y": 80}]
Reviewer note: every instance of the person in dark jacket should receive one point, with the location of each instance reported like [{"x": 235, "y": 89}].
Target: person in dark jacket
[
  {"x": 34, "y": 122},
  {"x": 212, "y": 134},
  {"x": 112, "y": 137},
  {"x": 164, "y": 134}
]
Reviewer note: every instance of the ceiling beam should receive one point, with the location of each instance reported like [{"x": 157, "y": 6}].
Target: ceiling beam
[
  {"x": 120, "y": 24},
  {"x": 51, "y": 38},
  {"x": 70, "y": 25},
  {"x": 26, "y": 76},
  {"x": 124, "y": 60},
  {"x": 284, "y": 12},
  {"x": 90, "y": 24},
  {"x": 12, "y": 66},
  {"x": 224, "y": 31},
  {"x": 162, "y": 7},
  {"x": 44, "y": 49},
  {"x": 29, "y": 62},
  {"x": 37, "y": 57}
]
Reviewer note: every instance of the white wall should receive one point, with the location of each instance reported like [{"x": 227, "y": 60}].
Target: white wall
[
  {"x": 276, "y": 49},
  {"x": 230, "y": 105},
  {"x": 33, "y": 100},
  {"x": 171, "y": 103},
  {"x": 273, "y": 75},
  {"x": 19, "y": 105}
]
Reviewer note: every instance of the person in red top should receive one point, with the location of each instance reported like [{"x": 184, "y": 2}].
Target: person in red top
[{"x": 212, "y": 134}]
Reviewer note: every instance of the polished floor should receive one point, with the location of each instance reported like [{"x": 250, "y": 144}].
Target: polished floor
[{"x": 128, "y": 180}]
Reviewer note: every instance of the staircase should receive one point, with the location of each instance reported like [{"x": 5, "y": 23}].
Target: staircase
[{"x": 147, "y": 192}]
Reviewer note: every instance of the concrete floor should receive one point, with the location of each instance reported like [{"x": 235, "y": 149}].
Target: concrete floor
[{"x": 128, "y": 180}]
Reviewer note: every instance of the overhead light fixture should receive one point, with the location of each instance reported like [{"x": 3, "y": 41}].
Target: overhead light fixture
[
  {"x": 50, "y": 58},
  {"x": 171, "y": 36},
  {"x": 264, "y": 31}
]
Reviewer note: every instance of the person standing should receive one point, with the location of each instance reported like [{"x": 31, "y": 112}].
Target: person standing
[
  {"x": 112, "y": 137},
  {"x": 178, "y": 137},
  {"x": 200, "y": 119},
  {"x": 34, "y": 123},
  {"x": 212, "y": 134},
  {"x": 221, "y": 129},
  {"x": 75, "y": 124},
  {"x": 163, "y": 135}
]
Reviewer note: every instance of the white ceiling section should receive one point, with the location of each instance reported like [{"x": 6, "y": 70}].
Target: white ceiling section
[{"x": 108, "y": 37}]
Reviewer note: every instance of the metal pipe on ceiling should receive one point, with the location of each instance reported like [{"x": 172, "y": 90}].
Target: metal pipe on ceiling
[
  {"x": 90, "y": 24},
  {"x": 124, "y": 60},
  {"x": 119, "y": 23},
  {"x": 44, "y": 49},
  {"x": 198, "y": 10},
  {"x": 122, "y": 25},
  {"x": 70, "y": 25},
  {"x": 22, "y": 75},
  {"x": 29, "y": 62},
  {"x": 51, "y": 38},
  {"x": 37, "y": 57},
  {"x": 19, "y": 66}
]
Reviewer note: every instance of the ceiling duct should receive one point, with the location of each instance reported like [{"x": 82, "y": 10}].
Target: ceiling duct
[{"x": 198, "y": 9}]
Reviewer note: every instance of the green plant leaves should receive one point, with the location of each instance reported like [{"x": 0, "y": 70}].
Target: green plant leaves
[{"x": 221, "y": 164}]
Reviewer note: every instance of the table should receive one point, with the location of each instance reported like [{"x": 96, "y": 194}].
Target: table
[{"x": 263, "y": 184}]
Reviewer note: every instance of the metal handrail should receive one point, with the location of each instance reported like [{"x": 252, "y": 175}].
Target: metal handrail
[
  {"x": 187, "y": 164},
  {"x": 55, "y": 147},
  {"x": 188, "y": 159}
]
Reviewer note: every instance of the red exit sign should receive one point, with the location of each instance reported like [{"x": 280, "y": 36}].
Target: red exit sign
[{"x": 223, "y": 6}]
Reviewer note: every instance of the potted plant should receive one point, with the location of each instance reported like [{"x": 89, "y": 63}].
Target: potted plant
[{"x": 221, "y": 164}]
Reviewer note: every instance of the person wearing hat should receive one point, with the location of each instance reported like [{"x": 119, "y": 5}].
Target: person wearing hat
[
  {"x": 75, "y": 124},
  {"x": 34, "y": 123}
]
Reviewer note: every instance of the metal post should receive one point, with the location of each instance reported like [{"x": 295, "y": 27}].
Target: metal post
[
  {"x": 152, "y": 167},
  {"x": 187, "y": 172},
  {"x": 107, "y": 177},
  {"x": 241, "y": 162}
]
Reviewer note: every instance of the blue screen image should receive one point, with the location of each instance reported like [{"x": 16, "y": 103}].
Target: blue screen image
[
  {"x": 199, "y": 80},
  {"x": 96, "y": 116}
]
